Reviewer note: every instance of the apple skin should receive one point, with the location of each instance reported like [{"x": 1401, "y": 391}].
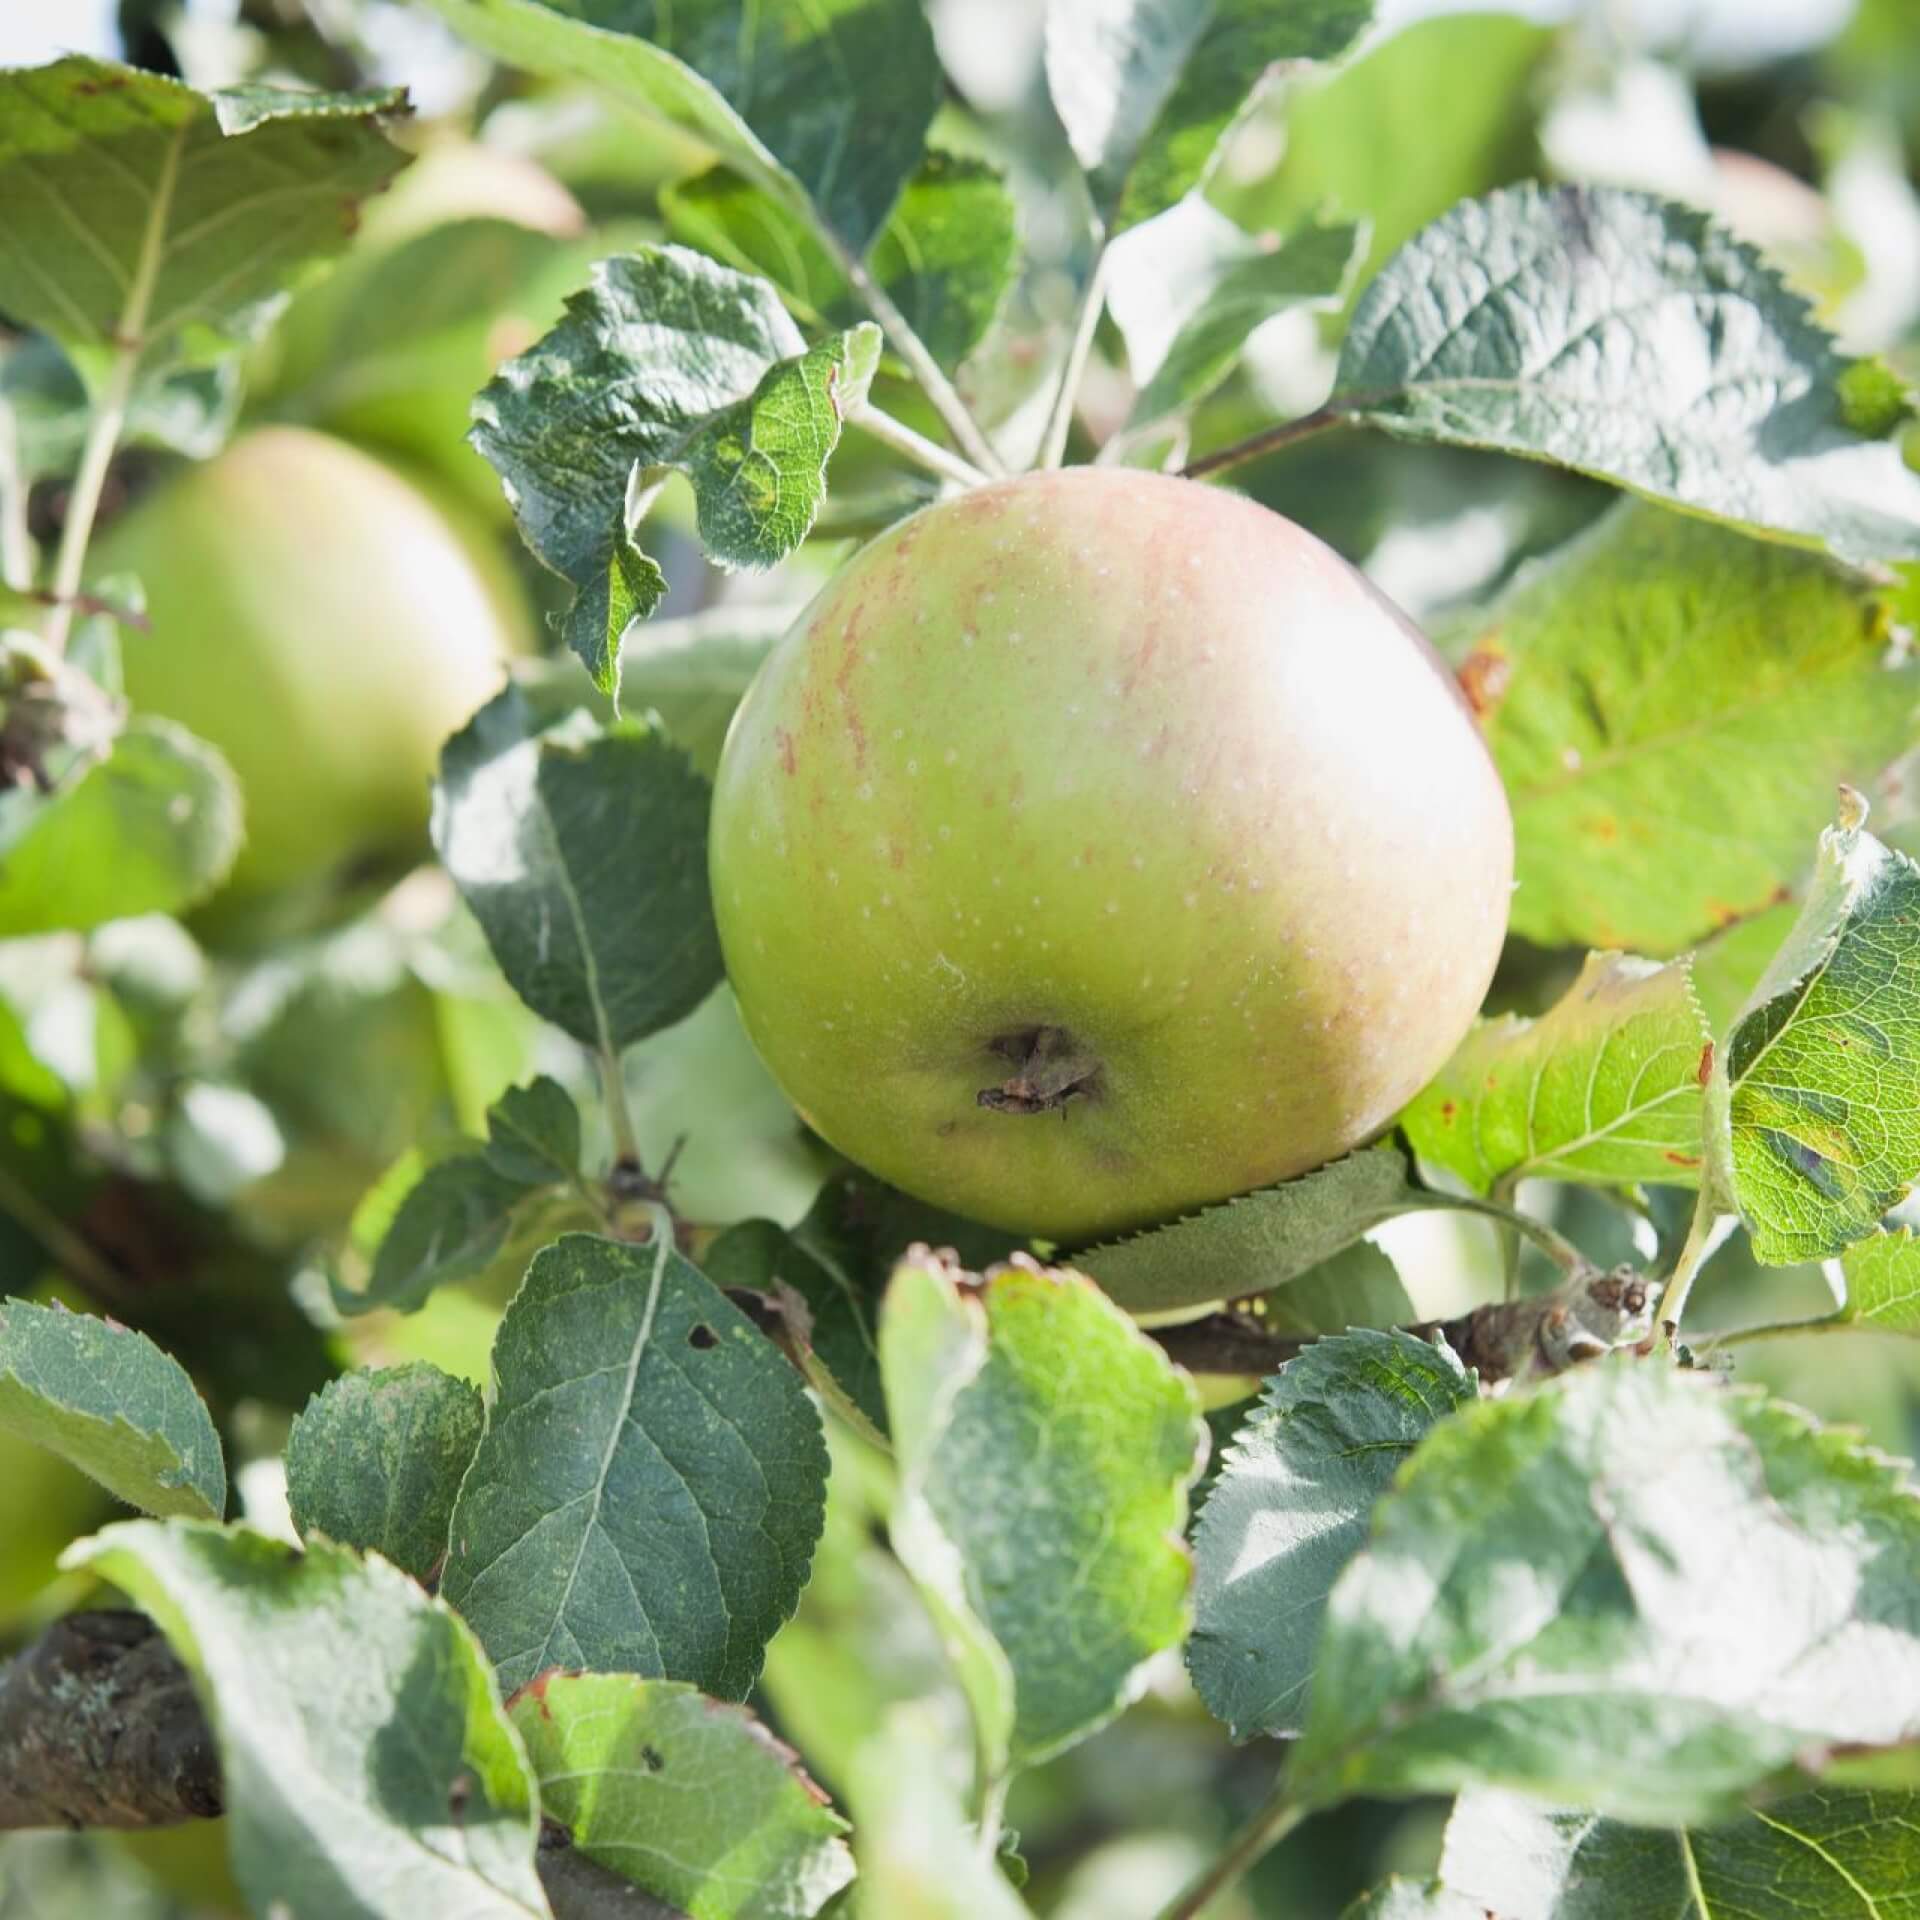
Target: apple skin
[
  {"x": 1138, "y": 769},
  {"x": 326, "y": 623}
]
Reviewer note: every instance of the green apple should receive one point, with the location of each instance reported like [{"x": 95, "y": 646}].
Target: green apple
[
  {"x": 1099, "y": 845},
  {"x": 325, "y": 623}
]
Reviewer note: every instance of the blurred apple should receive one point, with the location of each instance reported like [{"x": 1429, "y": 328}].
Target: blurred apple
[{"x": 326, "y": 623}]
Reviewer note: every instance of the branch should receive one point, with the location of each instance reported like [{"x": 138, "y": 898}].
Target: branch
[
  {"x": 100, "y": 1727},
  {"x": 1587, "y": 1316}
]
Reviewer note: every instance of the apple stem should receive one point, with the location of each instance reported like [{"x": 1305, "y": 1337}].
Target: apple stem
[
  {"x": 916, "y": 447},
  {"x": 1093, "y": 300}
]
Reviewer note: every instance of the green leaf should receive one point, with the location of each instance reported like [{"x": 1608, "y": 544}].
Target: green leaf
[
  {"x": 1883, "y": 1283},
  {"x": 151, "y": 828},
  {"x": 451, "y": 1224},
  {"x": 918, "y": 1854},
  {"x": 1190, "y": 288},
  {"x": 827, "y": 1275},
  {"x": 1632, "y": 339},
  {"x": 946, "y": 259},
  {"x": 666, "y": 360},
  {"x": 1260, "y": 1240},
  {"x": 533, "y": 1134},
  {"x": 583, "y": 855},
  {"x": 136, "y": 205},
  {"x": 1635, "y": 1590},
  {"x": 1814, "y": 1107},
  {"x": 1045, "y": 1447},
  {"x": 1290, "y": 1510},
  {"x": 370, "y": 1772},
  {"x": 1146, "y": 88},
  {"x": 1605, "y": 1088},
  {"x": 651, "y": 1482},
  {"x": 108, "y": 1400},
  {"x": 827, "y": 103},
  {"x": 376, "y": 1458},
  {"x": 691, "y": 672},
  {"x": 1356, "y": 1287},
  {"x": 1671, "y": 706},
  {"x": 1825, "y": 1852},
  {"x": 1430, "y": 114},
  {"x": 693, "y": 1801}
]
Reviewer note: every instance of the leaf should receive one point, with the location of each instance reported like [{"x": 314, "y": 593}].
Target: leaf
[
  {"x": 583, "y": 855},
  {"x": 917, "y": 1851},
  {"x": 139, "y": 208},
  {"x": 370, "y": 1773},
  {"x": 188, "y": 410},
  {"x": 1605, "y": 1088},
  {"x": 1260, "y": 1240},
  {"x": 827, "y": 104},
  {"x": 1632, "y": 339},
  {"x": 1290, "y": 1510},
  {"x": 651, "y": 1483},
  {"x": 1146, "y": 88},
  {"x": 1824, "y": 1852},
  {"x": 1431, "y": 113},
  {"x": 1883, "y": 1283},
  {"x": 1356, "y": 1287},
  {"x": 1671, "y": 706},
  {"x": 151, "y": 828},
  {"x": 665, "y": 360},
  {"x": 108, "y": 1400},
  {"x": 1814, "y": 1107},
  {"x": 376, "y": 1458},
  {"x": 695, "y": 1802},
  {"x": 451, "y": 1224},
  {"x": 946, "y": 258},
  {"x": 1045, "y": 1447},
  {"x": 835, "y": 1266},
  {"x": 1189, "y": 289},
  {"x": 533, "y": 1134},
  {"x": 1634, "y": 1590}
]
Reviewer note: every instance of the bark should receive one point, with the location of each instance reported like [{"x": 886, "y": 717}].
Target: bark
[{"x": 100, "y": 1727}]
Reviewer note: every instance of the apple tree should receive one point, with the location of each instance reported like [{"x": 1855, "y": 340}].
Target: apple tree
[{"x": 937, "y": 996}]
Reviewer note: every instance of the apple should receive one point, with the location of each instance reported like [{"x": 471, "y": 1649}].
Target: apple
[
  {"x": 326, "y": 623},
  {"x": 1099, "y": 845}
]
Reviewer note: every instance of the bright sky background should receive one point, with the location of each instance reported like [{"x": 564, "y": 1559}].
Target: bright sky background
[{"x": 35, "y": 30}]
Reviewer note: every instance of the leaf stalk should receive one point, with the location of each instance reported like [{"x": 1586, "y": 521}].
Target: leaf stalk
[
  {"x": 916, "y": 447},
  {"x": 1093, "y": 301},
  {"x": 1271, "y": 1822}
]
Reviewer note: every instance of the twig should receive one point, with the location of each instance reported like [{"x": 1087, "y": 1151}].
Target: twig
[
  {"x": 100, "y": 1727},
  {"x": 1272, "y": 1821},
  {"x": 1587, "y": 1316},
  {"x": 940, "y": 391},
  {"x": 1093, "y": 300},
  {"x": 1269, "y": 440},
  {"x": 110, "y": 408},
  {"x": 916, "y": 447}
]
